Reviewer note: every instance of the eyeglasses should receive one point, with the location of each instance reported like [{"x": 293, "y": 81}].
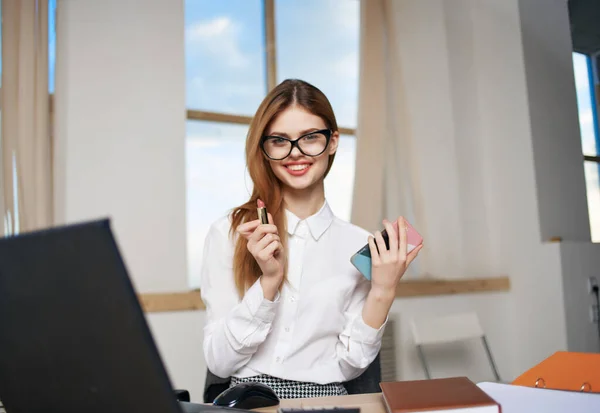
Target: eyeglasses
[{"x": 310, "y": 144}]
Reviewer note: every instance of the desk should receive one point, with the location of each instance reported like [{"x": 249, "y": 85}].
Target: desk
[
  {"x": 368, "y": 403},
  {"x": 512, "y": 398}
]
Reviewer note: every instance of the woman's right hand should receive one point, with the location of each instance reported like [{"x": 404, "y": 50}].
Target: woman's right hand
[{"x": 265, "y": 246}]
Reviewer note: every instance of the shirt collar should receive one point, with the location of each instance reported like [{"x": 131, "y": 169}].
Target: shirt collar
[{"x": 317, "y": 223}]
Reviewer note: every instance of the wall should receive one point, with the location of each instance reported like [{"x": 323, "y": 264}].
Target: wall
[
  {"x": 579, "y": 262},
  {"x": 536, "y": 310},
  {"x": 119, "y": 112},
  {"x": 120, "y": 130},
  {"x": 559, "y": 175},
  {"x": 554, "y": 121},
  {"x": 517, "y": 131},
  {"x": 467, "y": 358},
  {"x": 179, "y": 336},
  {"x": 491, "y": 92}
]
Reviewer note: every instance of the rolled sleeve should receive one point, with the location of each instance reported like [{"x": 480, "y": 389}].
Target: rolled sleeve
[
  {"x": 364, "y": 333},
  {"x": 358, "y": 343},
  {"x": 258, "y": 306}
]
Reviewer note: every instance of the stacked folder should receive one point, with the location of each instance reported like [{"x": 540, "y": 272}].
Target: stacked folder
[{"x": 566, "y": 382}]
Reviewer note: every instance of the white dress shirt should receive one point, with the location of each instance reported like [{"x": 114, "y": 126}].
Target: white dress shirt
[{"x": 313, "y": 331}]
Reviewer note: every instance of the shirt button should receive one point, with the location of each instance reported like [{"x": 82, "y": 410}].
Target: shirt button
[
  {"x": 287, "y": 329},
  {"x": 278, "y": 359},
  {"x": 292, "y": 298}
]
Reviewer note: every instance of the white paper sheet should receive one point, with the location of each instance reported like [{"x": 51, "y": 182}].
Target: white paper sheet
[{"x": 519, "y": 399}]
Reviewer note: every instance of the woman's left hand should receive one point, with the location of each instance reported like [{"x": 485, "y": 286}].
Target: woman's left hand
[{"x": 389, "y": 265}]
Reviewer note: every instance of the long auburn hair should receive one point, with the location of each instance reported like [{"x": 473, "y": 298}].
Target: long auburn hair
[{"x": 290, "y": 92}]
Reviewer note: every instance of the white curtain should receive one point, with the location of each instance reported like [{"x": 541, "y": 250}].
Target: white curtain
[
  {"x": 26, "y": 144},
  {"x": 423, "y": 134},
  {"x": 385, "y": 170}
]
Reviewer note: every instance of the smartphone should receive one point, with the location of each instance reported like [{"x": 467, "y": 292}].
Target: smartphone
[{"x": 362, "y": 259}]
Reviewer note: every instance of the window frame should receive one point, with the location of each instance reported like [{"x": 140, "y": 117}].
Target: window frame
[
  {"x": 593, "y": 70},
  {"x": 593, "y": 74},
  {"x": 270, "y": 57}
]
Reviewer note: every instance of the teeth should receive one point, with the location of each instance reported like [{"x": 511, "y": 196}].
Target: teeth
[{"x": 297, "y": 167}]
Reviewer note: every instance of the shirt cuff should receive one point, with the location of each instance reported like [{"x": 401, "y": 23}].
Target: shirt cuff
[
  {"x": 366, "y": 334},
  {"x": 258, "y": 306}
]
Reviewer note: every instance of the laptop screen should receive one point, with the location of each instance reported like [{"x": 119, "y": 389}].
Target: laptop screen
[{"x": 73, "y": 337}]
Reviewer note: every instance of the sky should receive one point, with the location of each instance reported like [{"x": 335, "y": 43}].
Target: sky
[{"x": 584, "y": 103}]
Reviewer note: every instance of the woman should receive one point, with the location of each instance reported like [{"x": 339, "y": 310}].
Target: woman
[{"x": 285, "y": 306}]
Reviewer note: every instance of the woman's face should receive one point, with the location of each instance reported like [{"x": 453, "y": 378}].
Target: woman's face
[{"x": 299, "y": 171}]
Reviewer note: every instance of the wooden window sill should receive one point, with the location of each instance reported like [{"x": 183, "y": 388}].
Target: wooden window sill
[{"x": 191, "y": 301}]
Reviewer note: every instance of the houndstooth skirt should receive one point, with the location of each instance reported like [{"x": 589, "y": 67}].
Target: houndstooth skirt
[{"x": 289, "y": 389}]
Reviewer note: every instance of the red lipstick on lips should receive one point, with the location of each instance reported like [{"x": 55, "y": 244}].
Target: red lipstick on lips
[
  {"x": 262, "y": 212},
  {"x": 297, "y": 172}
]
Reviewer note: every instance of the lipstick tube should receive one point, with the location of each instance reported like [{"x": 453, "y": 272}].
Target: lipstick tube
[{"x": 262, "y": 212}]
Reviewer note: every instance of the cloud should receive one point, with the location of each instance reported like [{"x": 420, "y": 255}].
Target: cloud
[
  {"x": 346, "y": 13},
  {"x": 219, "y": 38},
  {"x": 586, "y": 118},
  {"x": 339, "y": 184},
  {"x": 194, "y": 143},
  {"x": 229, "y": 94},
  {"x": 581, "y": 73},
  {"x": 593, "y": 197},
  {"x": 347, "y": 66},
  {"x": 588, "y": 137}
]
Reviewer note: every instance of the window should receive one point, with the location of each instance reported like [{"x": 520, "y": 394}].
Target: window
[
  {"x": 318, "y": 42},
  {"x": 225, "y": 68},
  {"x": 587, "y": 102},
  {"x": 0, "y": 49},
  {"x": 51, "y": 65},
  {"x": 51, "y": 43},
  {"x": 230, "y": 68}
]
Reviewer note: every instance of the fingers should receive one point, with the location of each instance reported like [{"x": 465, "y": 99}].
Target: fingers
[
  {"x": 392, "y": 235},
  {"x": 261, "y": 231},
  {"x": 248, "y": 227},
  {"x": 380, "y": 242},
  {"x": 373, "y": 249},
  {"x": 268, "y": 252},
  {"x": 264, "y": 242},
  {"x": 403, "y": 243}
]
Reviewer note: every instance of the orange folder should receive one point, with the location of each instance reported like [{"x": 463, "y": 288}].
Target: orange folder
[{"x": 564, "y": 371}]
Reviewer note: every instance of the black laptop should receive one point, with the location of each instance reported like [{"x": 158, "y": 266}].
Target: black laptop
[{"x": 73, "y": 337}]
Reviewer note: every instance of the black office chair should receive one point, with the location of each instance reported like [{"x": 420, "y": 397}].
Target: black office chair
[
  {"x": 368, "y": 382},
  {"x": 182, "y": 395}
]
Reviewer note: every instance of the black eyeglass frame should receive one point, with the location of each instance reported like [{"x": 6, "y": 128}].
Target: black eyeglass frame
[{"x": 326, "y": 132}]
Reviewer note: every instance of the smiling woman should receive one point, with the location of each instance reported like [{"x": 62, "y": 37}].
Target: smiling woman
[
  {"x": 283, "y": 273},
  {"x": 227, "y": 73}
]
